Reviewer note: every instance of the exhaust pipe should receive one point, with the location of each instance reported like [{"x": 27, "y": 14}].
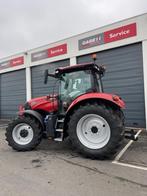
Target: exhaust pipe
[{"x": 131, "y": 135}]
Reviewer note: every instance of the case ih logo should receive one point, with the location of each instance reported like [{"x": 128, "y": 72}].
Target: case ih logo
[
  {"x": 91, "y": 41},
  {"x": 108, "y": 36},
  {"x": 51, "y": 52},
  {"x": 12, "y": 62}
]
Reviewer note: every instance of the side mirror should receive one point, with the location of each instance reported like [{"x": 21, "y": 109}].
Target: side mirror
[
  {"x": 102, "y": 70},
  {"x": 45, "y": 76}
]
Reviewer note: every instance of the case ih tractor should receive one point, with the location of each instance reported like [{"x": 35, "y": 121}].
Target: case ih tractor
[{"x": 93, "y": 120}]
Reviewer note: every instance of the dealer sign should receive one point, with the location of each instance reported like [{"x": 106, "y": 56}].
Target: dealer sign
[
  {"x": 91, "y": 41},
  {"x": 12, "y": 62},
  {"x": 108, "y": 36},
  {"x": 48, "y": 53}
]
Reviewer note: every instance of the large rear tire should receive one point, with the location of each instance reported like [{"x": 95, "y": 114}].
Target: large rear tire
[
  {"x": 96, "y": 131},
  {"x": 24, "y": 134}
]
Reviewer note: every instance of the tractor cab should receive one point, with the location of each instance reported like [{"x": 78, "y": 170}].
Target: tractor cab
[{"x": 75, "y": 81}]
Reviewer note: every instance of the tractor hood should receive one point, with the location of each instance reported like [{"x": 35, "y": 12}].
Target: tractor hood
[{"x": 45, "y": 103}]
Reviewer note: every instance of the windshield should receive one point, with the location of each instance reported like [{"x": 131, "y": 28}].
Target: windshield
[{"x": 75, "y": 83}]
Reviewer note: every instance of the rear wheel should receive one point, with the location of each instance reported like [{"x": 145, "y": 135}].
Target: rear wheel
[
  {"x": 96, "y": 130},
  {"x": 24, "y": 134},
  {"x": 93, "y": 131}
]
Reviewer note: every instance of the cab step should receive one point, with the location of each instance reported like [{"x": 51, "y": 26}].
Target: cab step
[
  {"x": 58, "y": 139},
  {"x": 60, "y": 120},
  {"x": 59, "y": 130}
]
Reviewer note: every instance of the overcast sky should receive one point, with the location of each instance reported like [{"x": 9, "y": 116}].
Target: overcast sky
[{"x": 27, "y": 24}]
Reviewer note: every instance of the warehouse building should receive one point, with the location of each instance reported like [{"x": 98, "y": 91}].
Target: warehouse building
[{"x": 121, "y": 47}]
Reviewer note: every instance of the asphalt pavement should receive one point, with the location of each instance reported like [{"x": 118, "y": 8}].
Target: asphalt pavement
[{"x": 56, "y": 169}]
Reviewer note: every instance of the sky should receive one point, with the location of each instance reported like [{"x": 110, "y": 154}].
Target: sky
[{"x": 27, "y": 24}]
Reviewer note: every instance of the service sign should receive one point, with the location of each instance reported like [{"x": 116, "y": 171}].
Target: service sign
[
  {"x": 108, "y": 36},
  {"x": 58, "y": 50},
  {"x": 12, "y": 62},
  {"x": 120, "y": 33},
  {"x": 17, "y": 61},
  {"x": 48, "y": 53}
]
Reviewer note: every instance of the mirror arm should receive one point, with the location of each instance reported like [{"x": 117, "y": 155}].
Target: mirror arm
[{"x": 52, "y": 75}]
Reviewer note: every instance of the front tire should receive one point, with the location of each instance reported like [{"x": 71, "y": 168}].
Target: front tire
[
  {"x": 96, "y": 130},
  {"x": 24, "y": 134}
]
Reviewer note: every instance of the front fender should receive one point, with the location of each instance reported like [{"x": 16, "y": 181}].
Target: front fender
[{"x": 35, "y": 114}]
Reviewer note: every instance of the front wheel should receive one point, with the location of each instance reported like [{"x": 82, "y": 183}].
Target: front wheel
[
  {"x": 24, "y": 134},
  {"x": 96, "y": 130}
]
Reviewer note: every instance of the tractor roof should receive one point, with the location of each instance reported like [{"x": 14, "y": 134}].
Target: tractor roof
[{"x": 78, "y": 67}]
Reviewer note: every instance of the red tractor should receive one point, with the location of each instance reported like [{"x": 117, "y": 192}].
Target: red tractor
[{"x": 92, "y": 119}]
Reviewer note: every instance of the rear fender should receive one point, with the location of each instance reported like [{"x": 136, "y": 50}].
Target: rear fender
[
  {"x": 35, "y": 115},
  {"x": 89, "y": 97},
  {"x": 114, "y": 99}
]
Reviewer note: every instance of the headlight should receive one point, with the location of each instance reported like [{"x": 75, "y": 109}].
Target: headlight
[{"x": 27, "y": 106}]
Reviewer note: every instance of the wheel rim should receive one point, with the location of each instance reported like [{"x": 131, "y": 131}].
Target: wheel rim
[
  {"x": 22, "y": 134},
  {"x": 93, "y": 131}
]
